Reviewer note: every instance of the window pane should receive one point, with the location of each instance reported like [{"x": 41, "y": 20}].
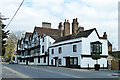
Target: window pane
[
  {"x": 97, "y": 48},
  {"x": 74, "y": 48},
  {"x": 38, "y": 60},
  {"x": 42, "y": 49},
  {"x": 60, "y": 62},
  {"x": 100, "y": 48},
  {"x": 44, "y": 59},
  {"x": 52, "y": 51},
  {"x": 60, "y": 50},
  {"x": 91, "y": 48},
  {"x": 75, "y": 61},
  {"x": 71, "y": 61},
  {"x": 52, "y": 62}
]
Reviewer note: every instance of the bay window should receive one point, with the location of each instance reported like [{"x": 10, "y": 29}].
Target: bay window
[{"x": 96, "y": 47}]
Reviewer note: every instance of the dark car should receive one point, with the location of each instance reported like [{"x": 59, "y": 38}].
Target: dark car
[{"x": 11, "y": 62}]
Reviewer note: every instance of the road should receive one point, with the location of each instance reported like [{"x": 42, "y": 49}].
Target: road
[{"x": 25, "y": 71}]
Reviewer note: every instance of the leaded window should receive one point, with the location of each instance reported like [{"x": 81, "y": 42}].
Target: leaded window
[{"x": 96, "y": 47}]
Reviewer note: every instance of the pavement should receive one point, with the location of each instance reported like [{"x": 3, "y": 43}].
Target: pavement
[
  {"x": 25, "y": 71},
  {"x": 0, "y": 70},
  {"x": 10, "y": 73}
]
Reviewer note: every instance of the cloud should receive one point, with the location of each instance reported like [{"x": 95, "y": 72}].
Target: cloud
[{"x": 101, "y": 14}]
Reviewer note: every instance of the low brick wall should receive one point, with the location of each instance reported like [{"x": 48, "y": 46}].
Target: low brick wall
[{"x": 115, "y": 64}]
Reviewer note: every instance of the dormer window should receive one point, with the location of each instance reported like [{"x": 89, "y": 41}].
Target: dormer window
[{"x": 96, "y": 47}]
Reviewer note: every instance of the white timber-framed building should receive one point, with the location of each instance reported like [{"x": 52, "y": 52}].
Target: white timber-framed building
[
  {"x": 76, "y": 49},
  {"x": 57, "y": 47},
  {"x": 33, "y": 48}
]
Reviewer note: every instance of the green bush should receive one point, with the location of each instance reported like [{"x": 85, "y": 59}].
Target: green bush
[{"x": 96, "y": 56}]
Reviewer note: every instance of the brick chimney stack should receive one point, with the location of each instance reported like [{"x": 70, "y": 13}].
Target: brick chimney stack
[
  {"x": 46, "y": 24},
  {"x": 74, "y": 26},
  {"x": 60, "y": 28},
  {"x": 80, "y": 29},
  {"x": 66, "y": 28},
  {"x": 105, "y": 35}
]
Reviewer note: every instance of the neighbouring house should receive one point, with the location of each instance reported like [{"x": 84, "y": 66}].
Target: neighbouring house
[
  {"x": 76, "y": 49},
  {"x": 33, "y": 48},
  {"x": 110, "y": 57},
  {"x": 115, "y": 63}
]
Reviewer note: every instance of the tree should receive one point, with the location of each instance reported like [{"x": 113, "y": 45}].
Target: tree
[
  {"x": 96, "y": 57},
  {"x": 12, "y": 45},
  {"x": 3, "y": 36}
]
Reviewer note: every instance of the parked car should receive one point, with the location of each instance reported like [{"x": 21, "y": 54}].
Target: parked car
[{"x": 11, "y": 62}]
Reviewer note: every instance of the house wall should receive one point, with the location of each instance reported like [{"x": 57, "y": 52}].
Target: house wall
[
  {"x": 83, "y": 48},
  {"x": 85, "y": 61},
  {"x": 86, "y": 51},
  {"x": 41, "y": 61},
  {"x": 67, "y": 50}
]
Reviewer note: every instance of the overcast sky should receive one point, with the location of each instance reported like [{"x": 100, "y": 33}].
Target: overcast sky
[{"x": 99, "y": 14}]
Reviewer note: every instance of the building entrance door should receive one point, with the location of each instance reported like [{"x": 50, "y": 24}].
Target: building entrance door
[
  {"x": 56, "y": 62},
  {"x": 67, "y": 62},
  {"x": 26, "y": 61}
]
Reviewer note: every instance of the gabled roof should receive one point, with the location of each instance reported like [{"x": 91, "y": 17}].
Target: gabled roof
[
  {"x": 28, "y": 34},
  {"x": 85, "y": 33},
  {"x": 54, "y": 33},
  {"x": 23, "y": 39},
  {"x": 109, "y": 44},
  {"x": 19, "y": 43}
]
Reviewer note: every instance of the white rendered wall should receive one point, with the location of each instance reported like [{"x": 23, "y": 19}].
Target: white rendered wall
[
  {"x": 92, "y": 38},
  {"x": 86, "y": 50},
  {"x": 82, "y": 48},
  {"x": 67, "y": 50},
  {"x": 88, "y": 60}
]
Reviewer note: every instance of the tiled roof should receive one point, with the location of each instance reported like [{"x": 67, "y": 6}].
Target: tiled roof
[
  {"x": 28, "y": 34},
  {"x": 54, "y": 33},
  {"x": 109, "y": 44},
  {"x": 85, "y": 33}
]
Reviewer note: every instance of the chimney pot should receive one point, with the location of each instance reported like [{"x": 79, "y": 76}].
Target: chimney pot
[
  {"x": 67, "y": 20},
  {"x": 66, "y": 28},
  {"x": 60, "y": 28},
  {"x": 80, "y": 29},
  {"x": 75, "y": 26},
  {"x": 105, "y": 35},
  {"x": 46, "y": 24},
  {"x": 76, "y": 19}
]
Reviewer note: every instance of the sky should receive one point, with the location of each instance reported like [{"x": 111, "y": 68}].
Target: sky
[{"x": 99, "y": 14}]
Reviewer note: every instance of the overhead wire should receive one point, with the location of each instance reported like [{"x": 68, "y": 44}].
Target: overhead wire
[{"x": 14, "y": 14}]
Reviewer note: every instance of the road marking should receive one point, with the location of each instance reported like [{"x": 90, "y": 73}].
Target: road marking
[{"x": 22, "y": 75}]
